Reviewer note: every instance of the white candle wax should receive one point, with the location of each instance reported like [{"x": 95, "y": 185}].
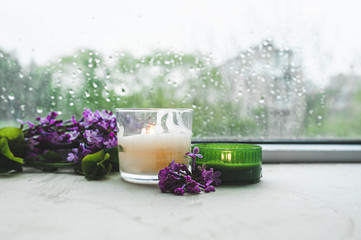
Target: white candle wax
[{"x": 149, "y": 153}]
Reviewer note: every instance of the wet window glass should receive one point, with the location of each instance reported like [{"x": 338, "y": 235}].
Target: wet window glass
[{"x": 251, "y": 70}]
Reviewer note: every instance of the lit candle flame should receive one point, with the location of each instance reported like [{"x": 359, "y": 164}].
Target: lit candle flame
[{"x": 150, "y": 129}]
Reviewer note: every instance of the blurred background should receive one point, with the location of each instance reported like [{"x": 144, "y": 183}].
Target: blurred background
[{"x": 251, "y": 70}]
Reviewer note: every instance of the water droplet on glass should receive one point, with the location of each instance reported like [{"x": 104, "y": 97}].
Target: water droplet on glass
[
  {"x": 86, "y": 94},
  {"x": 95, "y": 85},
  {"x": 21, "y": 75},
  {"x": 319, "y": 117},
  {"x": 11, "y": 97},
  {"x": 71, "y": 92},
  {"x": 71, "y": 104},
  {"x": 39, "y": 110}
]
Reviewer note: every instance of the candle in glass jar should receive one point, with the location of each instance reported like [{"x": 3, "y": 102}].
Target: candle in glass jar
[
  {"x": 149, "y": 152},
  {"x": 151, "y": 138}
]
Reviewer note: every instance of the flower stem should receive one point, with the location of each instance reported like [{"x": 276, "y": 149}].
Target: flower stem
[{"x": 45, "y": 164}]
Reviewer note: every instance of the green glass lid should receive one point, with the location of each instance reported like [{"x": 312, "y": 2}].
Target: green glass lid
[
  {"x": 238, "y": 163},
  {"x": 230, "y": 153}
]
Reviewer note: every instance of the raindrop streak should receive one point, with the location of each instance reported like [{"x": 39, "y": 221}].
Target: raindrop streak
[{"x": 11, "y": 97}]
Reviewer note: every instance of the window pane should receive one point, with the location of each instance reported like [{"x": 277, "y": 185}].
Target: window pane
[{"x": 265, "y": 70}]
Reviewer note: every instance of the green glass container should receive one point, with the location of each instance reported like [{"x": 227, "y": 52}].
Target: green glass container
[{"x": 239, "y": 163}]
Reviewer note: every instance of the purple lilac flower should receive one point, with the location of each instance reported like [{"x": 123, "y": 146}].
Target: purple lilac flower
[
  {"x": 208, "y": 176},
  {"x": 89, "y": 118},
  {"x": 23, "y": 123},
  {"x": 107, "y": 119},
  {"x": 112, "y": 141},
  {"x": 193, "y": 155},
  {"x": 83, "y": 150},
  {"x": 73, "y": 120},
  {"x": 177, "y": 179},
  {"x": 32, "y": 143},
  {"x": 72, "y": 156},
  {"x": 193, "y": 187},
  {"x": 209, "y": 188},
  {"x": 93, "y": 138},
  {"x": 95, "y": 131},
  {"x": 73, "y": 135},
  {"x": 48, "y": 120},
  {"x": 179, "y": 191}
]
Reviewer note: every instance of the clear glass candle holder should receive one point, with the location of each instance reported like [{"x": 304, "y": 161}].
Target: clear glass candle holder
[{"x": 149, "y": 139}]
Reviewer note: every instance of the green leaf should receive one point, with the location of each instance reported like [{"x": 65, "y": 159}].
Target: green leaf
[
  {"x": 114, "y": 157},
  {"x": 96, "y": 165},
  {"x": 7, "y": 165},
  {"x": 5, "y": 151},
  {"x": 8, "y": 162},
  {"x": 16, "y": 141}
]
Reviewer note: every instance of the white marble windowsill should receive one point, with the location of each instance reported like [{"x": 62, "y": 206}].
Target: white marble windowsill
[{"x": 293, "y": 201}]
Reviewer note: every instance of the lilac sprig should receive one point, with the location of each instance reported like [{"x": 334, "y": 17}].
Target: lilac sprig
[
  {"x": 193, "y": 155},
  {"x": 93, "y": 132},
  {"x": 177, "y": 179}
]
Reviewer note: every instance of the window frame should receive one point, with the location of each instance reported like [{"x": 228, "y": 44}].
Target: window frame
[{"x": 306, "y": 151}]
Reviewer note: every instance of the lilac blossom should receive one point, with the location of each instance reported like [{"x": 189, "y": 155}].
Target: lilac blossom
[
  {"x": 93, "y": 137},
  {"x": 93, "y": 132},
  {"x": 193, "y": 155},
  {"x": 30, "y": 125},
  {"x": 72, "y": 156},
  {"x": 177, "y": 179},
  {"x": 111, "y": 141}
]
